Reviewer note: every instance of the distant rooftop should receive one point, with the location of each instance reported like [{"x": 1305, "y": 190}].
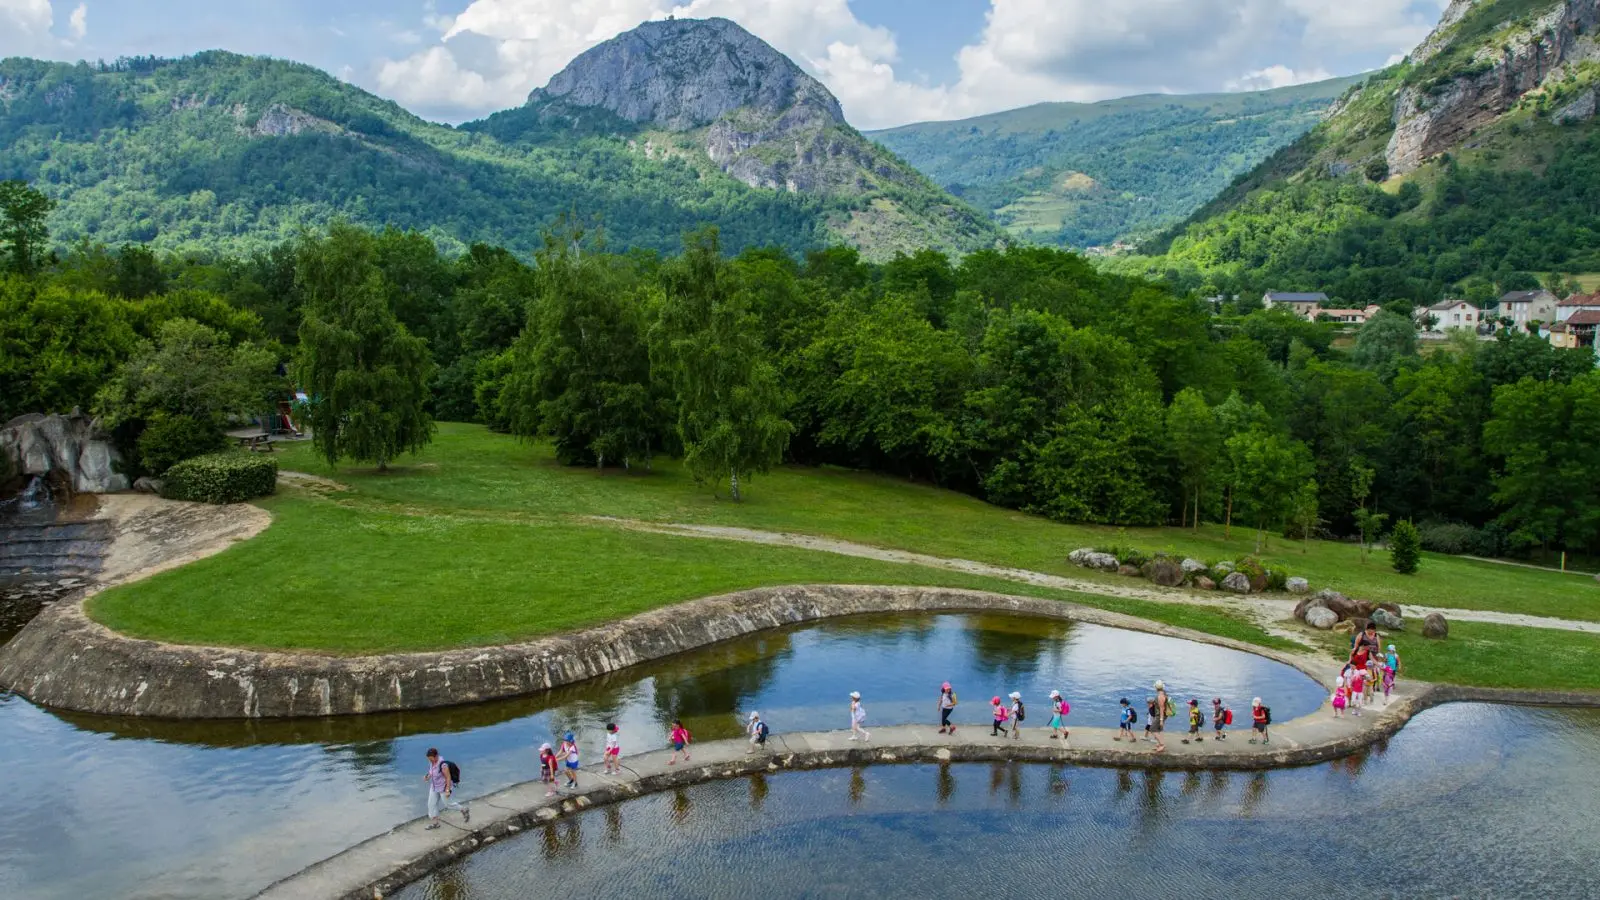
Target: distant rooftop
[
  {"x": 1584, "y": 317},
  {"x": 1289, "y": 297},
  {"x": 1581, "y": 300},
  {"x": 1524, "y": 296}
]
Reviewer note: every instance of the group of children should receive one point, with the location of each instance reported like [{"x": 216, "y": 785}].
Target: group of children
[
  {"x": 1159, "y": 708},
  {"x": 1362, "y": 677},
  {"x": 1015, "y": 713}
]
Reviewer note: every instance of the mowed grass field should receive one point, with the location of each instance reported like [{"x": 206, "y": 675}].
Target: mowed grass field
[{"x": 483, "y": 540}]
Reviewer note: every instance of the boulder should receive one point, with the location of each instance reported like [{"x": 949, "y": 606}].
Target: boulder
[
  {"x": 72, "y": 446},
  {"x": 1080, "y": 556},
  {"x": 1165, "y": 571},
  {"x": 1204, "y": 583},
  {"x": 148, "y": 485},
  {"x": 1308, "y": 604},
  {"x": 1393, "y": 608},
  {"x": 1258, "y": 583},
  {"x": 1297, "y": 585},
  {"x": 1342, "y": 606},
  {"x": 1238, "y": 582},
  {"x": 1387, "y": 620},
  {"x": 1129, "y": 571},
  {"x": 1223, "y": 568},
  {"x": 1434, "y": 626},
  {"x": 1321, "y": 617},
  {"x": 1105, "y": 562},
  {"x": 1193, "y": 566}
]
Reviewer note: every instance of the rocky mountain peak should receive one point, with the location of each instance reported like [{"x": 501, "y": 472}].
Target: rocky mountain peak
[{"x": 682, "y": 74}]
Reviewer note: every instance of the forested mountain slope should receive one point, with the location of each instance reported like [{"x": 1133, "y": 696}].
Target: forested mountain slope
[
  {"x": 1466, "y": 169},
  {"x": 1084, "y": 174},
  {"x": 220, "y": 152}
]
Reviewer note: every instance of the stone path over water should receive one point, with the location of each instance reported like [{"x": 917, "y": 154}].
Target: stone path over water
[
  {"x": 1268, "y": 610},
  {"x": 382, "y": 864}
]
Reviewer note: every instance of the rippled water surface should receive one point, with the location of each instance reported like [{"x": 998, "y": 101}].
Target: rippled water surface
[
  {"x": 1467, "y": 801},
  {"x": 109, "y": 808}
]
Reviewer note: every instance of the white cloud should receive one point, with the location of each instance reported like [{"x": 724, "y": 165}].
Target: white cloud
[
  {"x": 490, "y": 55},
  {"x": 78, "y": 22},
  {"x": 24, "y": 26}
]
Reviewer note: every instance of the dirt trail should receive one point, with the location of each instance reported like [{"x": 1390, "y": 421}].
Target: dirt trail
[{"x": 1266, "y": 610}]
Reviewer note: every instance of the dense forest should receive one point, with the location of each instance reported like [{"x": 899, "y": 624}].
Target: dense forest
[
  {"x": 1087, "y": 174},
  {"x": 1024, "y": 375}
]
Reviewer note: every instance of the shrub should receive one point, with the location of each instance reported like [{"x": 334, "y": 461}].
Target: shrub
[
  {"x": 1278, "y": 579},
  {"x": 222, "y": 478},
  {"x": 1126, "y": 555},
  {"x": 1456, "y": 539},
  {"x": 1405, "y": 547},
  {"x": 169, "y": 440}
]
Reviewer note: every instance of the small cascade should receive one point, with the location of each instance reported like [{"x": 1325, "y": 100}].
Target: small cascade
[{"x": 34, "y": 506}]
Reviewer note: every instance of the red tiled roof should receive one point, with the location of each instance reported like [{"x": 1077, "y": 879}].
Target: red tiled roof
[
  {"x": 1581, "y": 300},
  {"x": 1585, "y": 317}
]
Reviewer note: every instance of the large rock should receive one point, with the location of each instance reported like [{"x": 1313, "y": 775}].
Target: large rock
[
  {"x": 71, "y": 445},
  {"x": 1434, "y": 626},
  {"x": 1238, "y": 582},
  {"x": 1191, "y": 566},
  {"x": 1297, "y": 585},
  {"x": 1222, "y": 568},
  {"x": 1306, "y": 605},
  {"x": 1105, "y": 562},
  {"x": 147, "y": 485},
  {"x": 1321, "y": 617},
  {"x": 1387, "y": 620},
  {"x": 1204, "y": 583},
  {"x": 1164, "y": 571},
  {"x": 1342, "y": 606},
  {"x": 1129, "y": 571},
  {"x": 1080, "y": 556}
]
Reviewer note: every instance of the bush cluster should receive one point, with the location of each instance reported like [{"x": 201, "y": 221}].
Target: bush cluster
[
  {"x": 222, "y": 478},
  {"x": 1458, "y": 539},
  {"x": 171, "y": 439}
]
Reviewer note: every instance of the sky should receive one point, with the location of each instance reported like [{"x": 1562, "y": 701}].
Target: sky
[{"x": 890, "y": 62}]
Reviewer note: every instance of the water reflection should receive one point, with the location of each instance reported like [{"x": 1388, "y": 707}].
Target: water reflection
[
  {"x": 260, "y": 800},
  {"x": 1479, "y": 800}
]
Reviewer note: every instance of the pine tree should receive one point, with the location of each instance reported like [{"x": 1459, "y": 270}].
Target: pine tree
[{"x": 1405, "y": 547}]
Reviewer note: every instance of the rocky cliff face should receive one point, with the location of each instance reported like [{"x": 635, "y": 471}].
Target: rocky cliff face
[{"x": 1440, "y": 113}]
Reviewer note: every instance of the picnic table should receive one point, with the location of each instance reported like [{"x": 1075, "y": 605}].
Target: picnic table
[{"x": 256, "y": 442}]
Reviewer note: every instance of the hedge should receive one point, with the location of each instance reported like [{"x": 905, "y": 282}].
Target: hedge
[{"x": 221, "y": 478}]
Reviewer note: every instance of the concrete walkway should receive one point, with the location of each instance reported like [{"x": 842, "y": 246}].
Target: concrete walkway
[
  {"x": 380, "y": 865},
  {"x": 1267, "y": 609}
]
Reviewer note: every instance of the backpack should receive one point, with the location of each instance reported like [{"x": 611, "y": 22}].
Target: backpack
[
  {"x": 1022, "y": 712},
  {"x": 455, "y": 772},
  {"x": 1266, "y": 715},
  {"x": 1199, "y": 719},
  {"x": 1066, "y": 708},
  {"x": 1227, "y": 717},
  {"x": 1133, "y": 716},
  {"x": 1169, "y": 710},
  {"x": 761, "y": 729}
]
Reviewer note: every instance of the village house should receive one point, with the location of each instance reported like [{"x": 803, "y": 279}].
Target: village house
[
  {"x": 1576, "y": 330},
  {"x": 1349, "y": 316},
  {"x": 1522, "y": 307},
  {"x": 1575, "y": 304},
  {"x": 1449, "y": 315},
  {"x": 1306, "y": 306}
]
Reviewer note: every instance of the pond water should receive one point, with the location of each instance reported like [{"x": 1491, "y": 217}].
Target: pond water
[
  {"x": 1467, "y": 801},
  {"x": 133, "y": 808}
]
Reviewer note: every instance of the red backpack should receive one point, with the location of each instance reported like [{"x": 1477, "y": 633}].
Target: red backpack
[{"x": 1227, "y": 717}]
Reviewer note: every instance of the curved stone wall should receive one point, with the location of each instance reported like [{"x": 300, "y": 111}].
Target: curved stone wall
[{"x": 65, "y": 660}]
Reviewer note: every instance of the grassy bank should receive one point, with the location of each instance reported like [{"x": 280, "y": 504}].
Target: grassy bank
[{"x": 1498, "y": 656}]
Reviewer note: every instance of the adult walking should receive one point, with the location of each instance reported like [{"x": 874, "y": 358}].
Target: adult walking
[
  {"x": 1158, "y": 721},
  {"x": 441, "y": 779},
  {"x": 947, "y": 704},
  {"x": 858, "y": 716}
]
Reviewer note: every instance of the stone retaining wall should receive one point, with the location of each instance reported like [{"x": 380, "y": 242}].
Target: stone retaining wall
[{"x": 65, "y": 660}]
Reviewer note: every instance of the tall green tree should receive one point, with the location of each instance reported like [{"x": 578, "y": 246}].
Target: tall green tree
[
  {"x": 23, "y": 234},
  {"x": 581, "y": 370},
  {"x": 1548, "y": 433},
  {"x": 58, "y": 345},
  {"x": 730, "y": 405},
  {"x": 1383, "y": 342},
  {"x": 367, "y": 376},
  {"x": 1195, "y": 443},
  {"x": 1268, "y": 469}
]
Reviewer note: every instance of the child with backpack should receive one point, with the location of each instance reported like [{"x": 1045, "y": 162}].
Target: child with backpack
[
  {"x": 1018, "y": 713},
  {"x": 1357, "y": 684},
  {"x": 1196, "y": 720},
  {"x": 569, "y": 753},
  {"x": 1150, "y": 718},
  {"x": 1388, "y": 682},
  {"x": 1371, "y": 681},
  {"x": 758, "y": 732},
  {"x": 1261, "y": 718},
  {"x": 947, "y": 705},
  {"x": 442, "y": 778},
  {"x": 1129, "y": 719},
  {"x": 548, "y": 766},
  {"x": 679, "y": 738},
  {"x": 858, "y": 718},
  {"x": 1219, "y": 718},
  {"x": 1339, "y": 701},
  {"x": 1058, "y": 721},
  {"x": 1000, "y": 716},
  {"x": 613, "y": 755}
]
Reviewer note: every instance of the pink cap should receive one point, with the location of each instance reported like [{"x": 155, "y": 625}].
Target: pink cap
[
  {"x": 995, "y": 700},
  {"x": 945, "y": 686}
]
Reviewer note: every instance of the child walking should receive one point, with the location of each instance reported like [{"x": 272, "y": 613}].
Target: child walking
[
  {"x": 1388, "y": 682},
  {"x": 858, "y": 716},
  {"x": 947, "y": 704},
  {"x": 1358, "y": 682},
  {"x": 679, "y": 738},
  {"x": 1018, "y": 713},
  {"x": 1058, "y": 721},
  {"x": 548, "y": 766},
  {"x": 569, "y": 752},
  {"x": 1125, "y": 727},
  {"x": 1150, "y": 718},
  {"x": 1196, "y": 719},
  {"x": 1219, "y": 718},
  {"x": 1000, "y": 715},
  {"x": 613, "y": 757},
  {"x": 1261, "y": 719},
  {"x": 1339, "y": 691}
]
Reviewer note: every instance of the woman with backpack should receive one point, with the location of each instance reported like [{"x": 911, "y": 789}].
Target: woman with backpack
[
  {"x": 1158, "y": 719},
  {"x": 441, "y": 779}
]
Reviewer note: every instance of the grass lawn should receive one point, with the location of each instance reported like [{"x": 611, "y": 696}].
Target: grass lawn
[
  {"x": 331, "y": 577},
  {"x": 1501, "y": 656},
  {"x": 469, "y": 468}
]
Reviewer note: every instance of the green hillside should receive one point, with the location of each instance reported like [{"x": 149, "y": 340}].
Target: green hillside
[
  {"x": 225, "y": 153},
  {"x": 1489, "y": 183},
  {"x": 1085, "y": 174}
]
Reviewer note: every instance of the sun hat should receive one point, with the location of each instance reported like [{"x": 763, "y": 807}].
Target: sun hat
[
  {"x": 995, "y": 701},
  {"x": 568, "y": 737},
  {"x": 545, "y": 746},
  {"x": 1391, "y": 648},
  {"x": 1055, "y": 693},
  {"x": 1015, "y": 695},
  {"x": 754, "y": 716},
  {"x": 855, "y": 695},
  {"x": 1256, "y": 702},
  {"x": 1160, "y": 685},
  {"x": 945, "y": 686}
]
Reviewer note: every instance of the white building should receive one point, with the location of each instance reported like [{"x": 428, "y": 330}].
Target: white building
[
  {"x": 1306, "y": 306},
  {"x": 1451, "y": 314}
]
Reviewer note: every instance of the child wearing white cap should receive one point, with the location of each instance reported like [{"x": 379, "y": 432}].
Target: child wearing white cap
[
  {"x": 858, "y": 715},
  {"x": 758, "y": 731},
  {"x": 1018, "y": 713}
]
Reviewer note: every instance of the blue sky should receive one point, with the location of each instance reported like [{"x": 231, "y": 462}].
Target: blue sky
[{"x": 890, "y": 61}]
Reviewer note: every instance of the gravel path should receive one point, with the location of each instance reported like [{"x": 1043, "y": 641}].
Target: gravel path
[{"x": 1268, "y": 611}]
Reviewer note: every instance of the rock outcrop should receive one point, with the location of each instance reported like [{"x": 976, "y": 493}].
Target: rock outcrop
[
  {"x": 70, "y": 448},
  {"x": 1441, "y": 113},
  {"x": 1164, "y": 571},
  {"x": 1434, "y": 626}
]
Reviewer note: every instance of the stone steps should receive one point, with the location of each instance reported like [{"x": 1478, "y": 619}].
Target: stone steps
[{"x": 58, "y": 550}]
